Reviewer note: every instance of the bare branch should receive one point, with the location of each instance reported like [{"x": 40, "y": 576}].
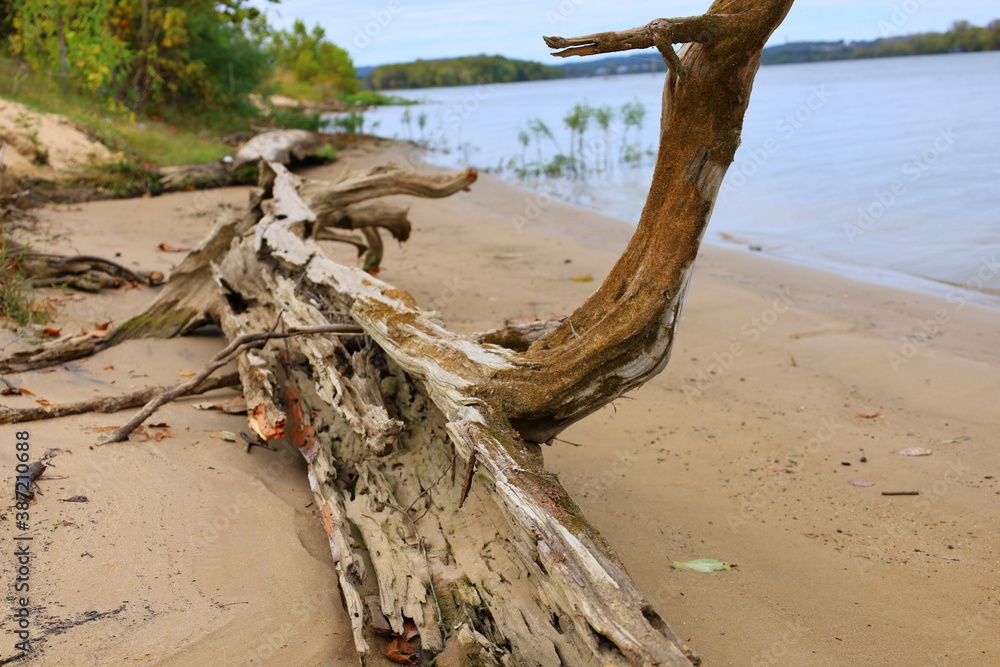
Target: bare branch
[
  {"x": 107, "y": 404},
  {"x": 230, "y": 352},
  {"x": 661, "y": 33}
]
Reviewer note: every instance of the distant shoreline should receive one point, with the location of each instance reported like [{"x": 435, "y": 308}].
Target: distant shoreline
[{"x": 466, "y": 70}]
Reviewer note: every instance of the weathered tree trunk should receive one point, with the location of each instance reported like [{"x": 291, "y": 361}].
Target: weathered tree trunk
[
  {"x": 396, "y": 423},
  {"x": 282, "y": 146}
]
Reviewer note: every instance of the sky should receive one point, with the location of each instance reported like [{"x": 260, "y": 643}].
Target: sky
[{"x": 376, "y": 32}]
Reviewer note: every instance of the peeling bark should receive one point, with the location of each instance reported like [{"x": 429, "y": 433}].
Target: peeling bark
[
  {"x": 514, "y": 575},
  {"x": 284, "y": 146}
]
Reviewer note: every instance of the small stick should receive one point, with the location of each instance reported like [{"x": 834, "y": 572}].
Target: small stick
[
  {"x": 108, "y": 404},
  {"x": 234, "y": 349},
  {"x": 469, "y": 473},
  {"x": 428, "y": 489},
  {"x": 900, "y": 493}
]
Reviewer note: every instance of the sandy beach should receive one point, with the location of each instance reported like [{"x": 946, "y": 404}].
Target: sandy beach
[{"x": 786, "y": 384}]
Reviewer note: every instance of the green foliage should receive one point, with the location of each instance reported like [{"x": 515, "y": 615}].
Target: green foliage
[
  {"x": 235, "y": 64},
  {"x": 310, "y": 67},
  {"x": 963, "y": 37},
  {"x": 144, "y": 55},
  {"x": 292, "y": 119},
  {"x": 126, "y": 178},
  {"x": 371, "y": 98},
  {"x": 352, "y": 123},
  {"x": 74, "y": 40},
  {"x": 463, "y": 71}
]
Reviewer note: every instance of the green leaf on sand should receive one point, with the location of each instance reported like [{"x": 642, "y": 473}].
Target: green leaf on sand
[{"x": 701, "y": 565}]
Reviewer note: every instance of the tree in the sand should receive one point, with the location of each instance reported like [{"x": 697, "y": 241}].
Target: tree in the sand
[{"x": 424, "y": 443}]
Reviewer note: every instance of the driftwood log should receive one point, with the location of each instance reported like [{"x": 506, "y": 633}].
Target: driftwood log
[
  {"x": 422, "y": 444},
  {"x": 284, "y": 146}
]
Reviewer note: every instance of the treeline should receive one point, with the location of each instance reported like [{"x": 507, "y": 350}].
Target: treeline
[
  {"x": 467, "y": 70},
  {"x": 963, "y": 37},
  {"x": 186, "y": 56}
]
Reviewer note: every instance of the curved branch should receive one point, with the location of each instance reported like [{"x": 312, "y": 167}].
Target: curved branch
[
  {"x": 324, "y": 198},
  {"x": 661, "y": 33},
  {"x": 622, "y": 335}
]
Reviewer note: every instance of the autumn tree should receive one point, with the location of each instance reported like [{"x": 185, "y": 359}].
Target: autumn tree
[
  {"x": 146, "y": 56},
  {"x": 310, "y": 66}
]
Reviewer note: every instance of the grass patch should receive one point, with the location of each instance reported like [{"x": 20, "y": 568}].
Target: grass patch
[
  {"x": 292, "y": 119},
  {"x": 185, "y": 140},
  {"x": 170, "y": 147},
  {"x": 17, "y": 304},
  {"x": 124, "y": 178}
]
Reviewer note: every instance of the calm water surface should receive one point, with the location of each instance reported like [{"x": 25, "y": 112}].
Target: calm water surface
[{"x": 888, "y": 170}]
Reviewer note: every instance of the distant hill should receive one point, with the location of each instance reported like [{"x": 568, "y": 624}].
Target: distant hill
[
  {"x": 464, "y": 71},
  {"x": 638, "y": 61},
  {"x": 962, "y": 37}
]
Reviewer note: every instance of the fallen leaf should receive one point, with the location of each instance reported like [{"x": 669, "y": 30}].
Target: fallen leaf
[
  {"x": 160, "y": 435},
  {"x": 961, "y": 438},
  {"x": 232, "y": 406},
  {"x": 166, "y": 247},
  {"x": 401, "y": 651},
  {"x": 109, "y": 368},
  {"x": 11, "y": 390},
  {"x": 864, "y": 416},
  {"x": 701, "y": 565},
  {"x": 187, "y": 374},
  {"x": 583, "y": 279},
  {"x": 228, "y": 436},
  {"x": 48, "y": 332},
  {"x": 913, "y": 451},
  {"x": 43, "y": 402},
  {"x": 159, "y": 425},
  {"x": 75, "y": 499},
  {"x": 861, "y": 482}
]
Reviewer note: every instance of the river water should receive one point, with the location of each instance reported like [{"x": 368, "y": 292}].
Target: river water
[{"x": 887, "y": 170}]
